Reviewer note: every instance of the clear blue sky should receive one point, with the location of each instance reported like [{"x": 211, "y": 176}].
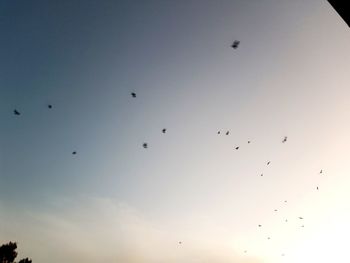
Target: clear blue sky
[{"x": 116, "y": 201}]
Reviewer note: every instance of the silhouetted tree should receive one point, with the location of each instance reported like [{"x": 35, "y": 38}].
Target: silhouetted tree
[{"x": 8, "y": 254}]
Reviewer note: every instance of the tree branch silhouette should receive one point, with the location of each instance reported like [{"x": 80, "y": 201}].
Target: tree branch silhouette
[{"x": 8, "y": 254}]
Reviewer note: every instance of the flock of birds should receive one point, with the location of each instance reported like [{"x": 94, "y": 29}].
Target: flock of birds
[{"x": 234, "y": 45}]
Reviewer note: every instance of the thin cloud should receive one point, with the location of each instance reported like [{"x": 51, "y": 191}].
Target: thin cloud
[{"x": 100, "y": 229}]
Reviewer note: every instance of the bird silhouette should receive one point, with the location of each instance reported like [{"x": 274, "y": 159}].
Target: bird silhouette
[
  {"x": 276, "y": 210},
  {"x": 248, "y": 141},
  {"x": 284, "y": 139},
  {"x": 259, "y": 225},
  {"x": 164, "y": 130},
  {"x": 74, "y": 153},
  {"x": 237, "y": 148},
  {"x": 321, "y": 171},
  {"x": 317, "y": 188},
  {"x": 133, "y": 94},
  {"x": 235, "y": 44},
  {"x": 218, "y": 132},
  {"x": 180, "y": 242},
  {"x": 145, "y": 145},
  {"x": 268, "y": 163},
  {"x": 300, "y": 217},
  {"x": 49, "y": 106},
  {"x": 16, "y": 112},
  {"x": 261, "y": 174},
  {"x": 227, "y": 133}
]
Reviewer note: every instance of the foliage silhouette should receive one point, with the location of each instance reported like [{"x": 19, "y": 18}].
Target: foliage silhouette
[{"x": 8, "y": 254}]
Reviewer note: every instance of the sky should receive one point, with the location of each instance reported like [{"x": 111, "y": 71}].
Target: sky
[{"x": 190, "y": 196}]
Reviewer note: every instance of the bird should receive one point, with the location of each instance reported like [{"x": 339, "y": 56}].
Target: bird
[
  {"x": 164, "y": 130},
  {"x": 300, "y": 217},
  {"x": 268, "y": 238},
  {"x": 317, "y": 188},
  {"x": 276, "y": 210},
  {"x": 74, "y": 153},
  {"x": 237, "y": 148},
  {"x": 285, "y": 201},
  {"x": 302, "y": 226},
  {"x": 16, "y": 112},
  {"x": 227, "y": 133},
  {"x": 284, "y": 139},
  {"x": 180, "y": 242},
  {"x": 235, "y": 44},
  {"x": 145, "y": 145},
  {"x": 245, "y": 251},
  {"x": 321, "y": 171},
  {"x": 49, "y": 106},
  {"x": 248, "y": 141},
  {"x": 218, "y": 132},
  {"x": 259, "y": 225},
  {"x": 261, "y": 174},
  {"x": 268, "y": 163},
  {"x": 133, "y": 94},
  {"x": 286, "y": 220}
]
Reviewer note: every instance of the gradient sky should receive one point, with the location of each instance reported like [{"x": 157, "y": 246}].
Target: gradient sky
[{"x": 117, "y": 202}]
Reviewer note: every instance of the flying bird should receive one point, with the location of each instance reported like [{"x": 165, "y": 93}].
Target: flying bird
[
  {"x": 248, "y": 141},
  {"x": 49, "y": 106},
  {"x": 261, "y": 174},
  {"x": 237, "y": 148},
  {"x": 300, "y": 217},
  {"x": 227, "y": 133},
  {"x": 276, "y": 210},
  {"x": 133, "y": 94},
  {"x": 180, "y": 242},
  {"x": 259, "y": 225},
  {"x": 164, "y": 130},
  {"x": 284, "y": 139},
  {"x": 218, "y": 132},
  {"x": 268, "y": 163},
  {"x": 16, "y": 112},
  {"x": 74, "y": 153},
  {"x": 235, "y": 44},
  {"x": 321, "y": 171},
  {"x": 317, "y": 188},
  {"x": 145, "y": 145}
]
